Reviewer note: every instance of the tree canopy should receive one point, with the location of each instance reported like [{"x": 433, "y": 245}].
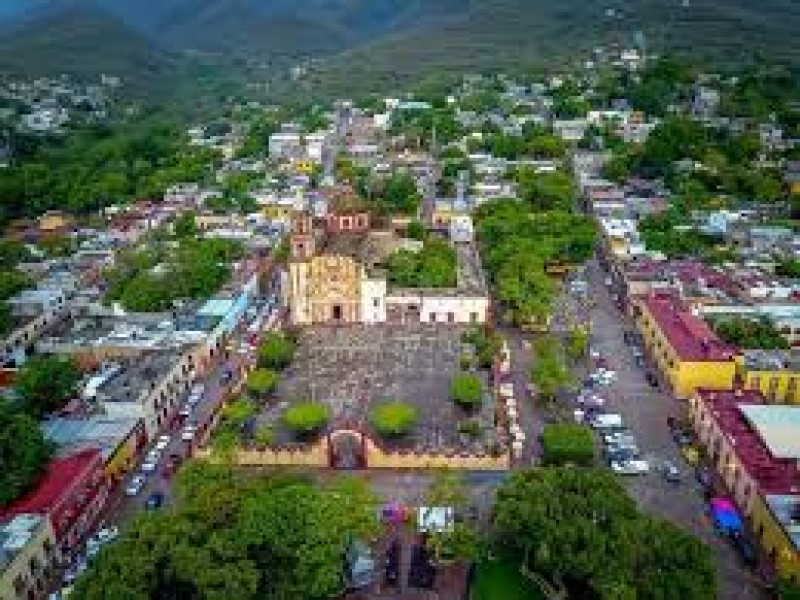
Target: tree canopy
[
  {"x": 45, "y": 383},
  {"x": 580, "y": 528},
  {"x": 434, "y": 266},
  {"x": 466, "y": 390},
  {"x": 237, "y": 538},
  {"x": 393, "y": 418},
  {"x": 398, "y": 194},
  {"x": 749, "y": 334},
  {"x": 153, "y": 279},
  {"x": 306, "y": 418},
  {"x": 24, "y": 452},
  {"x": 567, "y": 444},
  {"x": 517, "y": 244},
  {"x": 276, "y": 351}
]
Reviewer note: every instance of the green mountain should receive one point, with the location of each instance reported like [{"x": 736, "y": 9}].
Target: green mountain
[
  {"x": 374, "y": 45},
  {"x": 84, "y": 42},
  {"x": 511, "y": 33}
]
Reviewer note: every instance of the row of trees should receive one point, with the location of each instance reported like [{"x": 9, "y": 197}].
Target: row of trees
[
  {"x": 281, "y": 536},
  {"x": 534, "y": 142},
  {"x": 517, "y": 244}
]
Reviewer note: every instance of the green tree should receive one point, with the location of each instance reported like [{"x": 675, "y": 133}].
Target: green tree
[
  {"x": 466, "y": 390},
  {"x": 276, "y": 351},
  {"x": 399, "y": 195},
  {"x": 749, "y": 334},
  {"x": 45, "y": 383},
  {"x": 24, "y": 452},
  {"x": 577, "y": 345},
  {"x": 306, "y": 418},
  {"x": 567, "y": 444},
  {"x": 579, "y": 527},
  {"x": 549, "y": 373},
  {"x": 416, "y": 231},
  {"x": 185, "y": 225},
  {"x": 434, "y": 266},
  {"x": 241, "y": 538},
  {"x": 393, "y": 418},
  {"x": 261, "y": 382}
]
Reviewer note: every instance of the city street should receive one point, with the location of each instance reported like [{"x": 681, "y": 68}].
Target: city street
[{"x": 645, "y": 411}]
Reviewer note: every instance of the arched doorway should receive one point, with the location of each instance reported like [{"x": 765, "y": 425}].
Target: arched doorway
[{"x": 347, "y": 450}]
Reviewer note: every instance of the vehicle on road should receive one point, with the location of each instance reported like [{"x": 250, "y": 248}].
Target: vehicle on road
[
  {"x": 671, "y": 472},
  {"x": 149, "y": 466},
  {"x": 135, "y": 485},
  {"x": 745, "y": 548},
  {"x": 163, "y": 442},
  {"x": 631, "y": 467},
  {"x": 606, "y": 421},
  {"x": 188, "y": 433},
  {"x": 154, "y": 501}
]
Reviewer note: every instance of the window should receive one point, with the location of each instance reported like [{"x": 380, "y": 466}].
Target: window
[
  {"x": 432, "y": 318},
  {"x": 376, "y": 302},
  {"x": 451, "y": 317},
  {"x": 473, "y": 317}
]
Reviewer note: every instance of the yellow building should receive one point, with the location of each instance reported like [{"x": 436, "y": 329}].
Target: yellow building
[
  {"x": 754, "y": 447},
  {"x": 774, "y": 373},
  {"x": 687, "y": 353},
  {"x": 28, "y": 553}
]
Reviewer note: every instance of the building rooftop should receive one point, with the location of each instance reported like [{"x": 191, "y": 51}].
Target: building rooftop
[
  {"x": 786, "y": 509},
  {"x": 777, "y": 425},
  {"x": 59, "y": 477},
  {"x": 16, "y": 534},
  {"x": 691, "y": 337},
  {"x": 137, "y": 376},
  {"x": 775, "y": 475},
  {"x": 771, "y": 360},
  {"x": 71, "y": 435}
]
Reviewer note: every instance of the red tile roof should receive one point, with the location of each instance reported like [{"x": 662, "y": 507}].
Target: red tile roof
[
  {"x": 774, "y": 475},
  {"x": 691, "y": 338},
  {"x": 56, "y": 482}
]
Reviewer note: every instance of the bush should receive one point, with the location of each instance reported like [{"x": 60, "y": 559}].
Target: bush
[
  {"x": 264, "y": 436},
  {"x": 393, "y": 418},
  {"x": 466, "y": 390},
  {"x": 275, "y": 352},
  {"x": 470, "y": 428},
  {"x": 305, "y": 418},
  {"x": 261, "y": 382},
  {"x": 565, "y": 444},
  {"x": 465, "y": 361}
]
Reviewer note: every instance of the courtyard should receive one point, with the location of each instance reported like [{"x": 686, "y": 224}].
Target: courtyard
[{"x": 352, "y": 368}]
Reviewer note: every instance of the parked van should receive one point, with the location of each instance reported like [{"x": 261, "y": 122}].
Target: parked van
[{"x": 607, "y": 421}]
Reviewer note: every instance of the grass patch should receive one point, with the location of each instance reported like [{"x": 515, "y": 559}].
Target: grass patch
[{"x": 501, "y": 580}]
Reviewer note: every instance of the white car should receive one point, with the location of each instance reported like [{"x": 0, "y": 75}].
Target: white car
[
  {"x": 149, "y": 466},
  {"x": 135, "y": 485},
  {"x": 631, "y": 467},
  {"x": 162, "y": 443},
  {"x": 107, "y": 534},
  {"x": 187, "y": 435},
  {"x": 186, "y": 411},
  {"x": 198, "y": 389}
]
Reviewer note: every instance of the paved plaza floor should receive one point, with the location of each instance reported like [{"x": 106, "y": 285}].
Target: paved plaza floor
[{"x": 351, "y": 368}]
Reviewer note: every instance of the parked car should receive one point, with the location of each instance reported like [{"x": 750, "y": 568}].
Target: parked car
[
  {"x": 652, "y": 379},
  {"x": 607, "y": 421},
  {"x": 186, "y": 411},
  {"x": 149, "y": 466},
  {"x": 163, "y": 442},
  {"x": 745, "y": 549},
  {"x": 671, "y": 472},
  {"x": 107, "y": 534},
  {"x": 135, "y": 485},
  {"x": 631, "y": 467},
  {"x": 681, "y": 437},
  {"x": 188, "y": 433},
  {"x": 154, "y": 501}
]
